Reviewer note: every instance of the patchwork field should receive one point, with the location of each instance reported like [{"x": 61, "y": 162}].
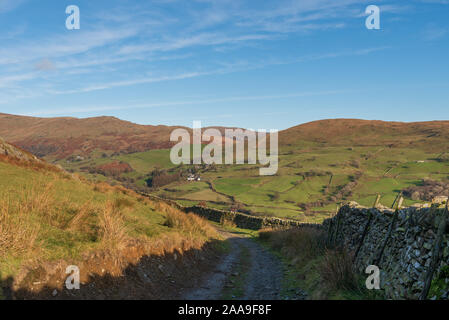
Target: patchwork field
[{"x": 310, "y": 183}]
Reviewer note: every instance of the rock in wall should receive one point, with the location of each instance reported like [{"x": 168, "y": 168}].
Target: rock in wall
[{"x": 406, "y": 258}]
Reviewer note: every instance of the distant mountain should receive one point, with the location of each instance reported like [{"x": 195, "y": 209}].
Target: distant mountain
[
  {"x": 63, "y": 137},
  {"x": 431, "y": 135}
]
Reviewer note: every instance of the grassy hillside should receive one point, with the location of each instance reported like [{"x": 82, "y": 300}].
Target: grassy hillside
[
  {"x": 322, "y": 163},
  {"x": 49, "y": 215}
]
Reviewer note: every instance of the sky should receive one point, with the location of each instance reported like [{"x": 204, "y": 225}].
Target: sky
[{"x": 269, "y": 64}]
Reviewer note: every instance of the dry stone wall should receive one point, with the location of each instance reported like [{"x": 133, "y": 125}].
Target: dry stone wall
[
  {"x": 245, "y": 221},
  {"x": 405, "y": 261},
  {"x": 402, "y": 245},
  {"x": 240, "y": 220}
]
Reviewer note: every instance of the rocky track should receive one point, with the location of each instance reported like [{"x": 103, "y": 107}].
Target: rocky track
[{"x": 261, "y": 280}]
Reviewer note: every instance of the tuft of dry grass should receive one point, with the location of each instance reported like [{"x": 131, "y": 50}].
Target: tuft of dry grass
[
  {"x": 112, "y": 227},
  {"x": 306, "y": 250},
  {"x": 80, "y": 219},
  {"x": 189, "y": 223},
  {"x": 123, "y": 203},
  {"x": 39, "y": 200},
  {"x": 18, "y": 233},
  {"x": 297, "y": 244},
  {"x": 103, "y": 187},
  {"x": 337, "y": 270},
  {"x": 227, "y": 223}
]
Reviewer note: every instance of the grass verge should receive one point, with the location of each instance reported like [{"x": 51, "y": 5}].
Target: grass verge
[{"x": 323, "y": 272}]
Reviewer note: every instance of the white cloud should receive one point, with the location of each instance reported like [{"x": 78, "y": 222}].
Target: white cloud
[
  {"x": 204, "y": 39},
  {"x": 126, "y": 83},
  {"x": 63, "y": 46}
]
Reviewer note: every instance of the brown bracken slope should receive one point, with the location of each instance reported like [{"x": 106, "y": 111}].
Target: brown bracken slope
[
  {"x": 62, "y": 137},
  {"x": 431, "y": 135}
]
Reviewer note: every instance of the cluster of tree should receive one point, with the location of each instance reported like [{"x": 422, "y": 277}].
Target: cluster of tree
[
  {"x": 314, "y": 173},
  {"x": 309, "y": 205},
  {"x": 113, "y": 169},
  {"x": 159, "y": 178},
  {"x": 427, "y": 190}
]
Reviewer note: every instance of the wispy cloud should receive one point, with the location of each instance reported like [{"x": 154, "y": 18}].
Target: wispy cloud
[
  {"x": 230, "y": 68},
  {"x": 131, "y": 45},
  {"x": 433, "y": 32},
  {"x": 90, "y": 109},
  {"x": 61, "y": 46},
  {"x": 9, "y": 5},
  {"x": 204, "y": 39},
  {"x": 127, "y": 83}
]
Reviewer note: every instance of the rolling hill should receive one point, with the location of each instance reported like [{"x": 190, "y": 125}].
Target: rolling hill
[
  {"x": 60, "y": 138},
  {"x": 346, "y": 132},
  {"x": 322, "y": 163},
  {"x": 63, "y": 137}
]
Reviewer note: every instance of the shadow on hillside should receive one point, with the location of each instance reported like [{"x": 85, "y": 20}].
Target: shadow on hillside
[{"x": 167, "y": 276}]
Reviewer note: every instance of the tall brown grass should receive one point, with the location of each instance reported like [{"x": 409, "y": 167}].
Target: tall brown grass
[
  {"x": 297, "y": 244},
  {"x": 112, "y": 227},
  {"x": 22, "y": 213},
  {"x": 18, "y": 229},
  {"x": 186, "y": 222},
  {"x": 80, "y": 220},
  {"x": 337, "y": 270},
  {"x": 304, "y": 245},
  {"x": 227, "y": 223}
]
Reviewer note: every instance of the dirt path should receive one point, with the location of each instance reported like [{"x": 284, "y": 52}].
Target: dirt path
[{"x": 247, "y": 272}]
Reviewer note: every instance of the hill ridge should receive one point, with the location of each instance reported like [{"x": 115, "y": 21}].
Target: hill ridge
[{"x": 62, "y": 137}]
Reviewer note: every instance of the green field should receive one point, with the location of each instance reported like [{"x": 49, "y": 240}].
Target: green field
[{"x": 307, "y": 186}]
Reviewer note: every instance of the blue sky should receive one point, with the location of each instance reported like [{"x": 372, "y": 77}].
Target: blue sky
[{"x": 254, "y": 64}]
